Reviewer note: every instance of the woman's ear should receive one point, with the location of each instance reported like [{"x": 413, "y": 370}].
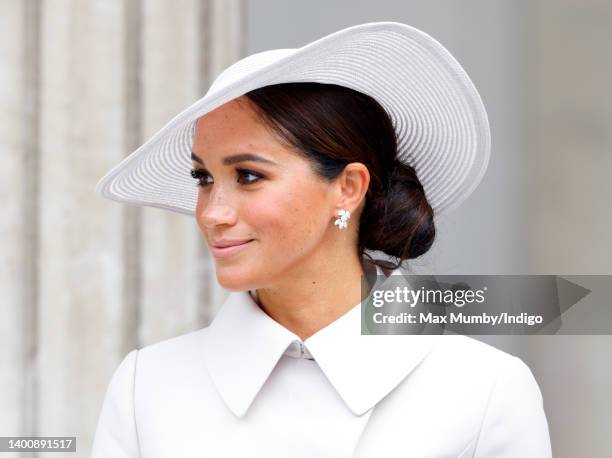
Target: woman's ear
[{"x": 354, "y": 182}]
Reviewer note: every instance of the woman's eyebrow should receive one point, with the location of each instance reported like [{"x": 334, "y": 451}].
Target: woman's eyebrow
[
  {"x": 242, "y": 157},
  {"x": 196, "y": 158}
]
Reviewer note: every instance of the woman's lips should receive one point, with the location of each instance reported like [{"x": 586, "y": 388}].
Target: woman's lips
[{"x": 230, "y": 250}]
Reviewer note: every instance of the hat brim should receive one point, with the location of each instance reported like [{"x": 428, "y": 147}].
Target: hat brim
[{"x": 440, "y": 120}]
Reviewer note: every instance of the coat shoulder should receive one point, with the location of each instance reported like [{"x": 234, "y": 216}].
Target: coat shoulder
[
  {"x": 180, "y": 350},
  {"x": 471, "y": 354},
  {"x": 473, "y": 366}
]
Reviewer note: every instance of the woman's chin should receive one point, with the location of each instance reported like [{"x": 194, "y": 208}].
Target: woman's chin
[{"x": 231, "y": 279}]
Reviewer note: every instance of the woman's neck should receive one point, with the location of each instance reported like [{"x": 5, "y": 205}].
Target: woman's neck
[{"x": 307, "y": 300}]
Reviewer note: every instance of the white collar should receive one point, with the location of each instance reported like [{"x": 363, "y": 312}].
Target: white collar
[{"x": 244, "y": 344}]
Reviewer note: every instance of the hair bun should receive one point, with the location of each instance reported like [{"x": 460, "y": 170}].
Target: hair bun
[
  {"x": 400, "y": 222},
  {"x": 405, "y": 175}
]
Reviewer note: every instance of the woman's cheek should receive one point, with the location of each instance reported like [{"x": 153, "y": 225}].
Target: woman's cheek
[
  {"x": 269, "y": 219},
  {"x": 279, "y": 221}
]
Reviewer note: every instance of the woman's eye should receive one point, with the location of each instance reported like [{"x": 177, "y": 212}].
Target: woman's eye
[
  {"x": 246, "y": 173},
  {"x": 202, "y": 176}
]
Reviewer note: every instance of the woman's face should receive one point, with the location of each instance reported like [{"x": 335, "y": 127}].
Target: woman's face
[{"x": 276, "y": 202}]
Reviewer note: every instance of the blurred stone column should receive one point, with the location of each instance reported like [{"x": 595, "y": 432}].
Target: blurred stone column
[
  {"x": 19, "y": 57},
  {"x": 82, "y": 131},
  {"x": 85, "y": 280}
]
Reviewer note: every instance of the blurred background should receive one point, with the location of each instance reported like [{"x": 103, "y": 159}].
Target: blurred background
[{"x": 84, "y": 280}]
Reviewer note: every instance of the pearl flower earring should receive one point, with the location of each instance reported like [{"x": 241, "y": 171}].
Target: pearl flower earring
[{"x": 342, "y": 222}]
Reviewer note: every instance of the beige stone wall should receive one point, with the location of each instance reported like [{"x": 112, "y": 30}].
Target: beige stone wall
[
  {"x": 570, "y": 135},
  {"x": 569, "y": 217},
  {"x": 84, "y": 280}
]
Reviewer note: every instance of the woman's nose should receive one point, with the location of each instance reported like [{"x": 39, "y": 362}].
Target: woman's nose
[{"x": 216, "y": 211}]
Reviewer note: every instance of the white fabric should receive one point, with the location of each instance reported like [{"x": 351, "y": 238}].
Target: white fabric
[
  {"x": 439, "y": 118},
  {"x": 245, "y": 386}
]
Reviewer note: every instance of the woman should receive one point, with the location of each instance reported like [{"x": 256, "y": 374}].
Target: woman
[{"x": 303, "y": 160}]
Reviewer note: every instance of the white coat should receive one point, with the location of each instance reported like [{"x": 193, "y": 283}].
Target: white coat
[{"x": 245, "y": 386}]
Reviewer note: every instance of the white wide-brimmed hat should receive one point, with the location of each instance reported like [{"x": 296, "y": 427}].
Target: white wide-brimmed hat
[{"x": 440, "y": 120}]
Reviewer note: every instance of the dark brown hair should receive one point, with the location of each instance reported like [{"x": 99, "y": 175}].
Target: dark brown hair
[{"x": 331, "y": 126}]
